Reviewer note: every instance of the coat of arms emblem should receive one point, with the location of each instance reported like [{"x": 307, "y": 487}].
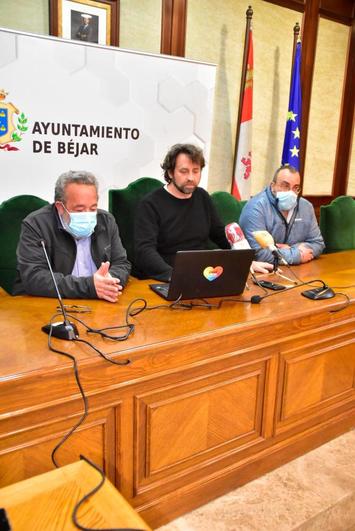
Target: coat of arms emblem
[{"x": 10, "y": 133}]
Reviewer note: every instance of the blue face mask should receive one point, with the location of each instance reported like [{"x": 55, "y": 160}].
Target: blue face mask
[
  {"x": 81, "y": 224},
  {"x": 287, "y": 200}
]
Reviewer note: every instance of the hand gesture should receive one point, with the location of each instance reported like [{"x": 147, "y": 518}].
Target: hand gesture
[{"x": 106, "y": 286}]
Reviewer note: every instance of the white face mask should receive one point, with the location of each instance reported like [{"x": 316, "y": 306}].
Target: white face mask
[
  {"x": 81, "y": 224},
  {"x": 286, "y": 200}
]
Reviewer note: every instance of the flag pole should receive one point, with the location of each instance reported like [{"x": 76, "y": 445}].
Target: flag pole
[
  {"x": 249, "y": 15},
  {"x": 296, "y": 34},
  {"x": 296, "y": 37}
]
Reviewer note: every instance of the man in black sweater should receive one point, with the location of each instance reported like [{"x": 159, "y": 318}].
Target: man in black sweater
[{"x": 180, "y": 216}]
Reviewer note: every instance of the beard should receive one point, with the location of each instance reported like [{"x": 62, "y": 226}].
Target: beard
[{"x": 187, "y": 189}]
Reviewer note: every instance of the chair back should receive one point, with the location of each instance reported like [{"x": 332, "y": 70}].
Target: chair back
[
  {"x": 12, "y": 212},
  {"x": 123, "y": 204},
  {"x": 337, "y": 224},
  {"x": 227, "y": 206}
]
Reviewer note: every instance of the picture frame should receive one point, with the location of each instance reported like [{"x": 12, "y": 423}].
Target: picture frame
[{"x": 94, "y": 21}]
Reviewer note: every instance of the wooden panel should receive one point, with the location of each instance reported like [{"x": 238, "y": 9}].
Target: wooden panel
[
  {"x": 296, "y": 5},
  {"x": 323, "y": 375},
  {"x": 346, "y": 126},
  {"x": 326, "y": 369},
  {"x": 340, "y": 11},
  {"x": 173, "y": 27},
  {"x": 28, "y": 453},
  {"x": 182, "y": 425}
]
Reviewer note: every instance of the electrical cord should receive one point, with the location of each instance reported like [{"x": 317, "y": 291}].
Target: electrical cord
[
  {"x": 103, "y": 355},
  {"x": 102, "y": 331},
  {"x": 175, "y": 305},
  {"x": 256, "y": 299},
  {"x": 76, "y": 373},
  {"x": 84, "y": 398},
  {"x": 87, "y": 496},
  {"x": 346, "y": 304}
]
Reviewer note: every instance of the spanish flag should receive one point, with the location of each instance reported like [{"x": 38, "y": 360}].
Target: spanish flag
[{"x": 242, "y": 165}]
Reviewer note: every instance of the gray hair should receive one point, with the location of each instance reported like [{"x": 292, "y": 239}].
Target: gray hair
[
  {"x": 78, "y": 177},
  {"x": 288, "y": 167}
]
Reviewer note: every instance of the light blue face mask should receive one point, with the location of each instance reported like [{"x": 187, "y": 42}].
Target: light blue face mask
[
  {"x": 81, "y": 224},
  {"x": 287, "y": 200}
]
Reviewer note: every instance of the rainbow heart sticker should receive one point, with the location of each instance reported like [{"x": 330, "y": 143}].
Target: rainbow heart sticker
[{"x": 211, "y": 273}]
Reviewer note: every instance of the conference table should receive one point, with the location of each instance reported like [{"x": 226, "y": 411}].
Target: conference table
[{"x": 212, "y": 395}]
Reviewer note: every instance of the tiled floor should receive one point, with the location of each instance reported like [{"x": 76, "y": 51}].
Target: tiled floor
[{"x": 315, "y": 492}]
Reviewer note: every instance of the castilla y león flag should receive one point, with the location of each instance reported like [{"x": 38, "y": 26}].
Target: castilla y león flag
[{"x": 242, "y": 165}]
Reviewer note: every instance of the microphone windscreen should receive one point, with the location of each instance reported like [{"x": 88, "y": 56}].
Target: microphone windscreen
[
  {"x": 236, "y": 237},
  {"x": 255, "y": 299},
  {"x": 264, "y": 238}
]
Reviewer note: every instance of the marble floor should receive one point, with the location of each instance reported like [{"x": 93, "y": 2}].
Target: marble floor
[{"x": 315, "y": 492}]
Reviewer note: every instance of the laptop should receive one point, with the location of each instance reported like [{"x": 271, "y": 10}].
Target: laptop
[{"x": 207, "y": 273}]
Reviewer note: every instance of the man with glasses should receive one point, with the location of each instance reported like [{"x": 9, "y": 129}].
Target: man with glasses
[
  {"x": 82, "y": 243},
  {"x": 289, "y": 218}
]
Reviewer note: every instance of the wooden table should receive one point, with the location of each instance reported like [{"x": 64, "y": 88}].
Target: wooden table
[
  {"x": 212, "y": 398},
  {"x": 46, "y": 502}
]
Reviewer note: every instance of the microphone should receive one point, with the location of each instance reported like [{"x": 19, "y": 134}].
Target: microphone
[
  {"x": 236, "y": 237},
  {"x": 65, "y": 330},
  {"x": 266, "y": 241}
]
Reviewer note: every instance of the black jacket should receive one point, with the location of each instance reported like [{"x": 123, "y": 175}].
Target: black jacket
[{"x": 33, "y": 276}]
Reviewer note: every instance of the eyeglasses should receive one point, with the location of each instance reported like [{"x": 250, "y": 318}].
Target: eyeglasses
[
  {"x": 285, "y": 187},
  {"x": 74, "y": 308}
]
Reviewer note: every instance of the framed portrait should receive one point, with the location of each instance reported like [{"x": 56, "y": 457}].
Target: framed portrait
[{"x": 95, "y": 21}]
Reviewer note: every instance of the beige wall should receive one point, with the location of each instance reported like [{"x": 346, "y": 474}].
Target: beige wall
[
  {"x": 216, "y": 34},
  {"x": 25, "y": 15},
  {"x": 140, "y": 32},
  {"x": 326, "y": 99}
]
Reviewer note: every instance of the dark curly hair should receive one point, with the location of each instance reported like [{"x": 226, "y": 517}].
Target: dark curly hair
[{"x": 193, "y": 152}]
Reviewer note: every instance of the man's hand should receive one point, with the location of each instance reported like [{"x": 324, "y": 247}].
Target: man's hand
[
  {"x": 106, "y": 286},
  {"x": 261, "y": 267},
  {"x": 283, "y": 246},
  {"x": 306, "y": 253}
]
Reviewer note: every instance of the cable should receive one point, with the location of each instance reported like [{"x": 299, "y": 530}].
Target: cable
[
  {"x": 101, "y": 331},
  {"x": 85, "y": 402},
  {"x": 256, "y": 299},
  {"x": 346, "y": 304},
  {"x": 102, "y": 354},
  {"x": 87, "y": 496},
  {"x": 76, "y": 373}
]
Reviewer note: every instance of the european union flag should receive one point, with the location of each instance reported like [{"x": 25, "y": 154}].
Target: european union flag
[{"x": 291, "y": 149}]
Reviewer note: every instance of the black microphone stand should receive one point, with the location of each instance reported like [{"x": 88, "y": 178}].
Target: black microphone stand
[
  {"x": 276, "y": 261},
  {"x": 65, "y": 330}
]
